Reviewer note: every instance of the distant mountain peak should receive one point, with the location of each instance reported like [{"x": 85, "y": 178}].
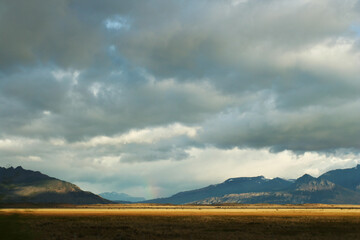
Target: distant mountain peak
[
  {"x": 306, "y": 175},
  {"x": 304, "y": 178}
]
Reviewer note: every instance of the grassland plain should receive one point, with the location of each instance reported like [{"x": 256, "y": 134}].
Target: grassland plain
[{"x": 180, "y": 222}]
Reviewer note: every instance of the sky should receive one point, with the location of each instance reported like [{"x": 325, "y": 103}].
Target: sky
[{"x": 154, "y": 97}]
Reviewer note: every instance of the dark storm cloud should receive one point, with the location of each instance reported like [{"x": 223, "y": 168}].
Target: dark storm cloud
[
  {"x": 45, "y": 32},
  {"x": 187, "y": 63},
  {"x": 191, "y": 41}
]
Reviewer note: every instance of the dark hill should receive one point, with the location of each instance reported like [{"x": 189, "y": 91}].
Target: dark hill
[{"x": 18, "y": 185}]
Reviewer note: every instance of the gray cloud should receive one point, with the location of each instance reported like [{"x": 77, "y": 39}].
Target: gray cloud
[
  {"x": 80, "y": 108},
  {"x": 190, "y": 41},
  {"x": 312, "y": 129},
  {"x": 45, "y": 32}
]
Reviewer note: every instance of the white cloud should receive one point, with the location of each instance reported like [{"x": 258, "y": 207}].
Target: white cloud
[
  {"x": 95, "y": 88},
  {"x": 30, "y": 158},
  {"x": 16, "y": 143},
  {"x": 70, "y": 75},
  {"x": 9, "y": 143},
  {"x": 334, "y": 54},
  {"x": 117, "y": 22},
  {"x": 147, "y": 135},
  {"x": 235, "y": 162}
]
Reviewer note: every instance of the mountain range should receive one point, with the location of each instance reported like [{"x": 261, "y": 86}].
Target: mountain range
[
  {"x": 120, "y": 197},
  {"x": 18, "y": 185},
  {"x": 341, "y": 186}
]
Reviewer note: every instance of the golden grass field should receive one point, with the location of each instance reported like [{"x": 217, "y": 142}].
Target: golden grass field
[{"x": 147, "y": 221}]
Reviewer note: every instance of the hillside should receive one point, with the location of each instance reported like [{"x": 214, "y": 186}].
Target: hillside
[
  {"x": 339, "y": 186},
  {"x": 18, "y": 185}
]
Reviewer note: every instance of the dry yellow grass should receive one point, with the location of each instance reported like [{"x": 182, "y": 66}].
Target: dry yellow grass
[
  {"x": 181, "y": 222},
  {"x": 181, "y": 210}
]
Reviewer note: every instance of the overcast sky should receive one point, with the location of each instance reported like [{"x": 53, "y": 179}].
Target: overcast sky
[{"x": 154, "y": 97}]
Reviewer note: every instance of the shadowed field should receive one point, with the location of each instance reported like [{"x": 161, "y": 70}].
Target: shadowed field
[{"x": 181, "y": 222}]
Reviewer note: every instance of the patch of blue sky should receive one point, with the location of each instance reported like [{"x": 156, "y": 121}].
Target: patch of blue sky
[
  {"x": 112, "y": 48},
  {"x": 355, "y": 29}
]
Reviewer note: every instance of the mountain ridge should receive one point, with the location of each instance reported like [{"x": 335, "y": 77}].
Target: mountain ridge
[
  {"x": 335, "y": 186},
  {"x": 229, "y": 186}
]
